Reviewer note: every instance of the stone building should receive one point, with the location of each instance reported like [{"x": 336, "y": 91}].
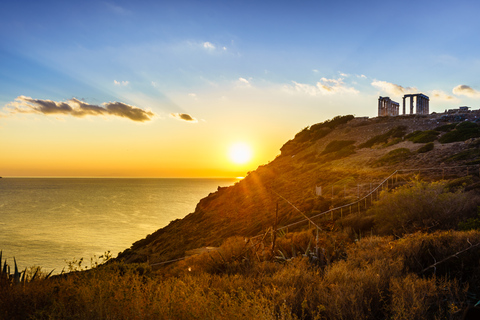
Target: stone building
[
  {"x": 387, "y": 107},
  {"x": 422, "y": 103},
  {"x": 419, "y": 104}
]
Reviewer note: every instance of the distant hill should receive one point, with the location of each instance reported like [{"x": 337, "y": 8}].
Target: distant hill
[{"x": 344, "y": 157}]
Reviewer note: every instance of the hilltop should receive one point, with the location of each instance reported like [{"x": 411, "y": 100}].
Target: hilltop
[
  {"x": 344, "y": 156},
  {"x": 394, "y": 233}
]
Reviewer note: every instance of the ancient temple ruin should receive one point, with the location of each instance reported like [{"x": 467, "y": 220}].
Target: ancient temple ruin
[
  {"x": 421, "y": 103},
  {"x": 388, "y": 107}
]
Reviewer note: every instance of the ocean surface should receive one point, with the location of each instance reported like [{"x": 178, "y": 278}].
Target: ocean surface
[{"x": 49, "y": 221}]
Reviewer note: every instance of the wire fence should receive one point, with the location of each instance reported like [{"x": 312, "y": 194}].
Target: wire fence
[{"x": 362, "y": 203}]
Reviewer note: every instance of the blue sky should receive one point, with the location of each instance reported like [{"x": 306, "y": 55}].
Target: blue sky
[{"x": 245, "y": 70}]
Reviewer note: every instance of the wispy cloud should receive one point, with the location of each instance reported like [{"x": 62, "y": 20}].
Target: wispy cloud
[
  {"x": 120, "y": 83},
  {"x": 323, "y": 87},
  {"x": 78, "y": 108},
  {"x": 184, "y": 117},
  {"x": 440, "y": 95},
  {"x": 464, "y": 90},
  {"x": 209, "y": 46},
  {"x": 242, "y": 82},
  {"x": 393, "y": 89}
]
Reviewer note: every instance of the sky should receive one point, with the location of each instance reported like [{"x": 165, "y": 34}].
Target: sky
[{"x": 167, "y": 88}]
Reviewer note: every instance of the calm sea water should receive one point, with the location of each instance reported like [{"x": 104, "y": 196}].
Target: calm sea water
[{"x": 48, "y": 221}]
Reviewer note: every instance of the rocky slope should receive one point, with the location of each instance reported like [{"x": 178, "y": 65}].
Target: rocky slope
[{"x": 345, "y": 156}]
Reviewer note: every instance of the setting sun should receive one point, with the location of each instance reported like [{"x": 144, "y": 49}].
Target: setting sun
[{"x": 240, "y": 153}]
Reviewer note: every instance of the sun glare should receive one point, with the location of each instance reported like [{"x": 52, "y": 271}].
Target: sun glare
[{"x": 240, "y": 153}]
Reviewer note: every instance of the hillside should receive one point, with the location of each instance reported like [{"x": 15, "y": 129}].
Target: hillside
[
  {"x": 345, "y": 156},
  {"x": 394, "y": 234}
]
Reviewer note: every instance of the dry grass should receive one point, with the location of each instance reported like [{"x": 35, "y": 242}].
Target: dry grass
[{"x": 376, "y": 278}]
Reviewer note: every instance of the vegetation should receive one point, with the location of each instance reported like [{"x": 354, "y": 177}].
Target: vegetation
[
  {"x": 393, "y": 134},
  {"x": 425, "y": 148},
  {"x": 313, "y": 133},
  {"x": 394, "y": 156},
  {"x": 463, "y": 131},
  {"x": 422, "y": 136},
  {"x": 374, "y": 278},
  {"x": 468, "y": 154},
  {"x": 407, "y": 250},
  {"x": 422, "y": 206},
  {"x": 446, "y": 127},
  {"x": 337, "y": 145}
]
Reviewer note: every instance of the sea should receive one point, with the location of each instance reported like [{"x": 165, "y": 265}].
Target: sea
[{"x": 50, "y": 222}]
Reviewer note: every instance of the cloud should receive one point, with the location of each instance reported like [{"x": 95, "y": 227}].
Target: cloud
[
  {"x": 393, "y": 89},
  {"x": 120, "y": 83},
  {"x": 116, "y": 9},
  {"x": 440, "y": 95},
  {"x": 78, "y": 108},
  {"x": 208, "y": 45},
  {"x": 464, "y": 90},
  {"x": 184, "y": 117},
  {"x": 242, "y": 82},
  {"x": 323, "y": 87}
]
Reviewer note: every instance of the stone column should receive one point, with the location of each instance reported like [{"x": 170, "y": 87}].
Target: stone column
[{"x": 411, "y": 104}]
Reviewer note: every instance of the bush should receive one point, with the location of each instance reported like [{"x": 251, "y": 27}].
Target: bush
[
  {"x": 394, "y": 156},
  {"x": 425, "y": 148},
  {"x": 468, "y": 154},
  {"x": 418, "y": 298},
  {"x": 421, "y": 206},
  {"x": 337, "y": 145},
  {"x": 395, "y": 133},
  {"x": 446, "y": 127},
  {"x": 422, "y": 136},
  {"x": 471, "y": 223},
  {"x": 463, "y": 131}
]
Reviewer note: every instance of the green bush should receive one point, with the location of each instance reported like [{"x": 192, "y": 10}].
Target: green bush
[
  {"x": 425, "y": 148},
  {"x": 468, "y": 154},
  {"x": 471, "y": 223},
  {"x": 394, "y": 156},
  {"x": 422, "y": 136},
  {"x": 463, "y": 131},
  {"x": 446, "y": 127}
]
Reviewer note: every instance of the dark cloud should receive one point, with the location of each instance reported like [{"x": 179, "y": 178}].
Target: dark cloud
[
  {"x": 184, "y": 117},
  {"x": 126, "y": 111},
  {"x": 466, "y": 91},
  {"x": 78, "y": 108}
]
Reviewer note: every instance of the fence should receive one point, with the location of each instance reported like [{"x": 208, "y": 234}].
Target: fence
[{"x": 362, "y": 203}]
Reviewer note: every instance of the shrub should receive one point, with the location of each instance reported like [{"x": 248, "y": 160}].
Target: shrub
[
  {"x": 425, "y": 148},
  {"x": 446, "y": 127},
  {"x": 420, "y": 206},
  {"x": 395, "y": 133},
  {"x": 337, "y": 145},
  {"x": 394, "y": 156},
  {"x": 471, "y": 223},
  {"x": 415, "y": 298},
  {"x": 463, "y": 131},
  {"x": 468, "y": 154},
  {"x": 422, "y": 136}
]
